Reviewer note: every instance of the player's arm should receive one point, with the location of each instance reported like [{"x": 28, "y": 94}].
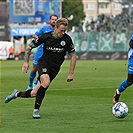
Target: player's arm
[
  {"x": 38, "y": 33},
  {"x": 72, "y": 55},
  {"x": 35, "y": 36},
  {"x": 27, "y": 53},
  {"x": 35, "y": 43},
  {"x": 26, "y": 59},
  {"x": 72, "y": 67}
]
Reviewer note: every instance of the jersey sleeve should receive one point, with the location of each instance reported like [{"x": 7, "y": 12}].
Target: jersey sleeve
[
  {"x": 38, "y": 41},
  {"x": 70, "y": 48},
  {"x": 40, "y": 31}
]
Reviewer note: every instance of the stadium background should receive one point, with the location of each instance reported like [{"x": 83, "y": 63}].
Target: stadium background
[{"x": 105, "y": 42}]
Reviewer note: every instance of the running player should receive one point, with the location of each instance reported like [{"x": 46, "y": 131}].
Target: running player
[
  {"x": 129, "y": 81},
  {"x": 40, "y": 51},
  {"x": 56, "y": 45}
]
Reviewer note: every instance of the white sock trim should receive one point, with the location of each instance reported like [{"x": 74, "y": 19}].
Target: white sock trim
[{"x": 118, "y": 92}]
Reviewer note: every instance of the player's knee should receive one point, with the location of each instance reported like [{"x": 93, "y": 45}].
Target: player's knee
[
  {"x": 45, "y": 84},
  {"x": 45, "y": 81}
]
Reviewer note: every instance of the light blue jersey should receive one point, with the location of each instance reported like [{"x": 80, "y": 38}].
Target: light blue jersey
[
  {"x": 40, "y": 51},
  {"x": 130, "y": 59},
  {"x": 128, "y": 82}
]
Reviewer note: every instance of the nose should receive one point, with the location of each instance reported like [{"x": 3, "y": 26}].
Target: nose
[{"x": 63, "y": 32}]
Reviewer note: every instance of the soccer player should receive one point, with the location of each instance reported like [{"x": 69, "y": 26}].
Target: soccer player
[
  {"x": 129, "y": 81},
  {"x": 39, "y": 51},
  {"x": 56, "y": 45}
]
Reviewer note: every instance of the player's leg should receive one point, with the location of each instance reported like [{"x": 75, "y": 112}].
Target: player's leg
[
  {"x": 40, "y": 94},
  {"x": 16, "y": 93},
  {"x": 122, "y": 87},
  {"x": 34, "y": 91},
  {"x": 44, "y": 83},
  {"x": 32, "y": 76},
  {"x": 37, "y": 56},
  {"x": 35, "y": 83},
  {"x": 12, "y": 96},
  {"x": 29, "y": 93},
  {"x": 125, "y": 83},
  {"x": 45, "y": 80},
  {"x": 22, "y": 94},
  {"x": 34, "y": 70}
]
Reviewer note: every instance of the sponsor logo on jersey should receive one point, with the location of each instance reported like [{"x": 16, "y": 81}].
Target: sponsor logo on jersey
[{"x": 55, "y": 49}]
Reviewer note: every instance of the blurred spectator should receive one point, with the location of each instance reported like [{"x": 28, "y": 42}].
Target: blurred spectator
[
  {"x": 22, "y": 49},
  {"x": 16, "y": 55},
  {"x": 110, "y": 23},
  {"x": 11, "y": 52}
]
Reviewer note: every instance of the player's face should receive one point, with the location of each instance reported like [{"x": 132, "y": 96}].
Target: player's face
[
  {"x": 60, "y": 31},
  {"x": 52, "y": 21}
]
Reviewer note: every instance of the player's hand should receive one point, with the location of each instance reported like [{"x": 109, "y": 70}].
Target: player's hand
[
  {"x": 70, "y": 77},
  {"x": 25, "y": 67}
]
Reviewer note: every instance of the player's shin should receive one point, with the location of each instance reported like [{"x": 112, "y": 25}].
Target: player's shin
[
  {"x": 25, "y": 94},
  {"x": 39, "y": 97},
  {"x": 123, "y": 86},
  {"x": 32, "y": 76}
]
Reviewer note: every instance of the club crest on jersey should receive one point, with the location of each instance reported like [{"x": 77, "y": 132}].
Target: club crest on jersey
[{"x": 63, "y": 43}]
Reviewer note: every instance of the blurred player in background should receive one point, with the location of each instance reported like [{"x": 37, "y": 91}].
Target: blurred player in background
[
  {"x": 11, "y": 52},
  {"x": 56, "y": 45},
  {"x": 40, "y": 51},
  {"x": 129, "y": 81}
]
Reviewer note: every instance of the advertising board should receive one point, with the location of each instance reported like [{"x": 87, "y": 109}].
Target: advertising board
[{"x": 32, "y": 11}]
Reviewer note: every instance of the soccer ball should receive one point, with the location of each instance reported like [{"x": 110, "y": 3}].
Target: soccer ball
[{"x": 120, "y": 110}]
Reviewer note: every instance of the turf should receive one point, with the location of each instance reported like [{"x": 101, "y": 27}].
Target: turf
[{"x": 82, "y": 106}]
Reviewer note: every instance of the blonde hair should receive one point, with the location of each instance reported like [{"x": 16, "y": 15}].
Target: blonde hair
[{"x": 61, "y": 21}]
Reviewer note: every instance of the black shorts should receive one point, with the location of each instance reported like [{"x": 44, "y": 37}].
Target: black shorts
[{"x": 44, "y": 68}]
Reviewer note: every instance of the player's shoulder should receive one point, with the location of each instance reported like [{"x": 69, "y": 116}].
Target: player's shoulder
[
  {"x": 66, "y": 36},
  {"x": 47, "y": 34},
  {"x": 45, "y": 27},
  {"x": 132, "y": 37}
]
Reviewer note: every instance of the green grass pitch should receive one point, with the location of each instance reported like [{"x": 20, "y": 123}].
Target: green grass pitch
[{"x": 82, "y": 106}]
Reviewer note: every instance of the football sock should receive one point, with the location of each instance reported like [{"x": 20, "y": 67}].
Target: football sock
[
  {"x": 36, "y": 81},
  {"x": 117, "y": 91},
  {"x": 31, "y": 78},
  {"x": 25, "y": 94},
  {"x": 39, "y": 97},
  {"x": 123, "y": 86}
]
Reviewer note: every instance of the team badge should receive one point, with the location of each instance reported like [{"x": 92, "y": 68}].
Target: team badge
[
  {"x": 63, "y": 43},
  {"x": 44, "y": 69}
]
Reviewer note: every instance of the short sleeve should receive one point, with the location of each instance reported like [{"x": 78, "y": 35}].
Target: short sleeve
[
  {"x": 71, "y": 48},
  {"x": 38, "y": 41},
  {"x": 40, "y": 31}
]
